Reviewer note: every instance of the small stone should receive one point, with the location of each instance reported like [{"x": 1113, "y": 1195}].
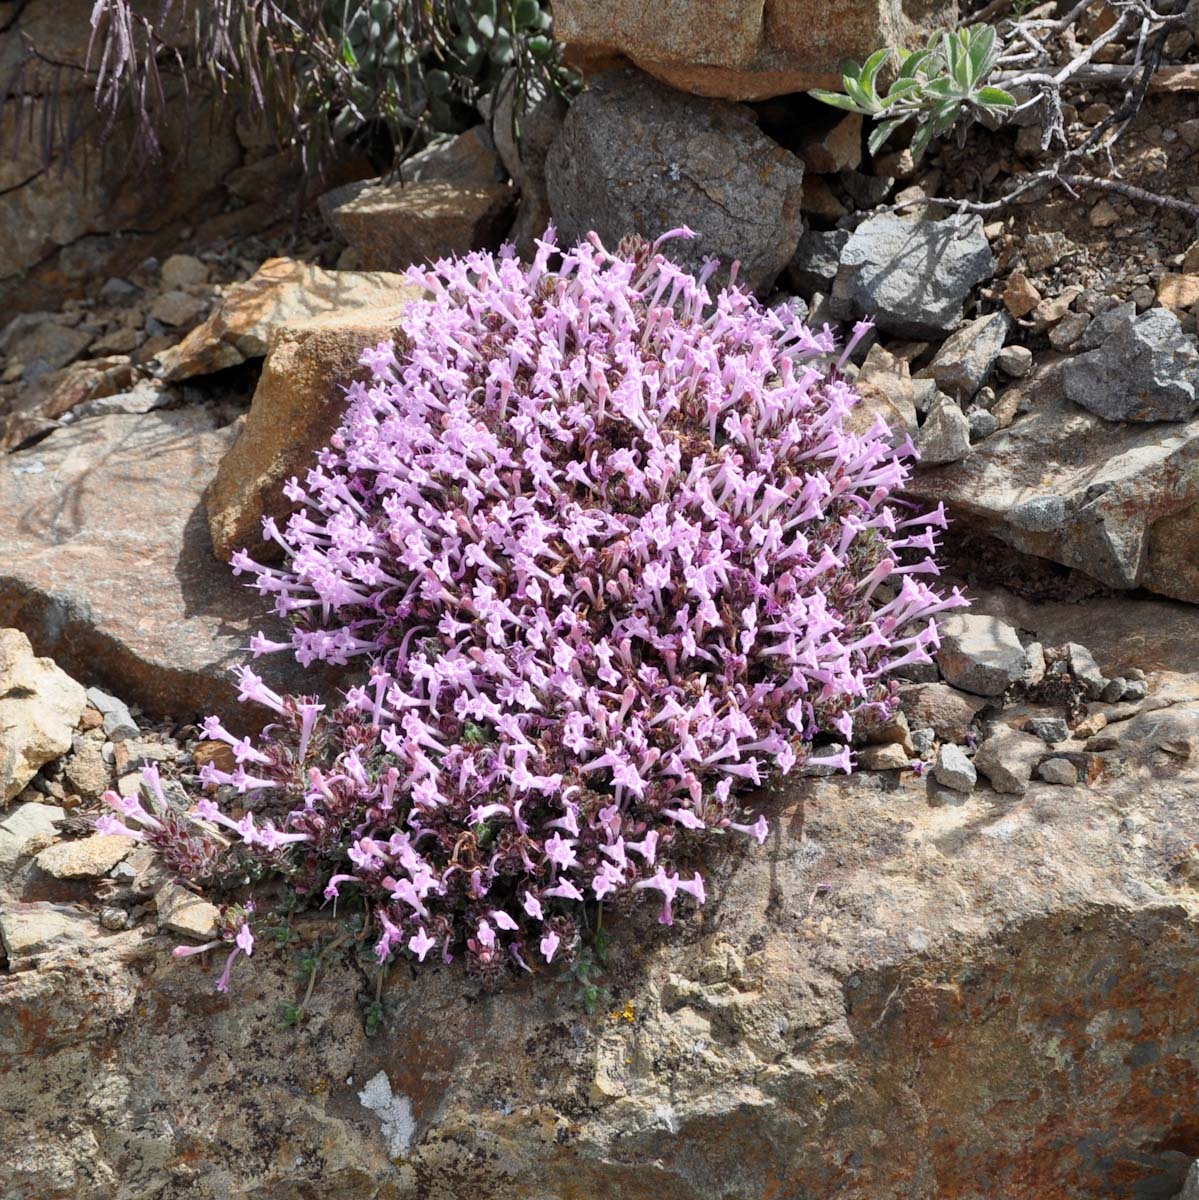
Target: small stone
[
  {"x": 1014, "y": 361},
  {"x": 1084, "y": 668},
  {"x": 88, "y": 858},
  {"x": 1050, "y": 730},
  {"x": 1106, "y": 323},
  {"x": 965, "y": 360},
  {"x": 1041, "y": 514},
  {"x": 185, "y": 913},
  {"x": 923, "y": 741},
  {"x": 947, "y": 712},
  {"x": 119, "y": 292},
  {"x": 945, "y": 435},
  {"x": 982, "y": 424},
  {"x": 980, "y": 654},
  {"x": 1043, "y": 250},
  {"x": 1053, "y": 308},
  {"x": 889, "y": 757},
  {"x": 177, "y": 308},
  {"x": 954, "y": 769},
  {"x": 85, "y": 770},
  {"x": 1114, "y": 691},
  {"x": 1007, "y": 758},
  {"x": 1090, "y": 726},
  {"x": 1178, "y": 292},
  {"x": 827, "y": 150},
  {"x": 1019, "y": 296},
  {"x": 183, "y": 271},
  {"x": 114, "y": 919},
  {"x": 1103, "y": 215},
  {"x": 118, "y": 721},
  {"x": 1143, "y": 297},
  {"x": 1058, "y": 770},
  {"x": 1069, "y": 330},
  {"x": 1035, "y": 671},
  {"x": 1135, "y": 689}
]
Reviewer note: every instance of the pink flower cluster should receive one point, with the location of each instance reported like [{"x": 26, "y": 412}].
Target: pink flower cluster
[{"x": 609, "y": 556}]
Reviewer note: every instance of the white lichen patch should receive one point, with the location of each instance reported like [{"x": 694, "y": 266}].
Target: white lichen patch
[{"x": 394, "y": 1112}]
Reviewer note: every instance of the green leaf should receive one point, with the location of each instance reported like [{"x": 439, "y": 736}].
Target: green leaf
[
  {"x": 525, "y": 12},
  {"x": 995, "y": 97},
  {"x": 912, "y": 63},
  {"x": 982, "y": 42},
  {"x": 864, "y": 97},
  {"x": 849, "y": 69},
  {"x": 485, "y": 26},
  {"x": 871, "y": 68},
  {"x": 882, "y": 131},
  {"x": 903, "y": 88},
  {"x": 836, "y": 99},
  {"x": 921, "y": 140}
]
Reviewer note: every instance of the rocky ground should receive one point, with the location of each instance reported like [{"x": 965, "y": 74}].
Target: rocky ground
[{"x": 967, "y": 971}]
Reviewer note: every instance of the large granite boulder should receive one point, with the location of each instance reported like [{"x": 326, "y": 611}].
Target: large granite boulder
[{"x": 635, "y": 156}]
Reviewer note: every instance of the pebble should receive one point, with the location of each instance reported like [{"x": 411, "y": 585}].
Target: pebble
[
  {"x": 1114, "y": 691},
  {"x": 923, "y": 740},
  {"x": 182, "y": 271},
  {"x": 87, "y": 858},
  {"x": 1019, "y": 296},
  {"x": 177, "y": 308},
  {"x": 114, "y": 919},
  {"x": 1090, "y": 726},
  {"x": 1069, "y": 330},
  {"x": 954, "y": 769},
  {"x": 888, "y": 757},
  {"x": 118, "y": 721},
  {"x": 1014, "y": 361},
  {"x": 982, "y": 423}
]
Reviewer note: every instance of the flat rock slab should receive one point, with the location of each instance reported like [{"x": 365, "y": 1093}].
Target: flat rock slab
[
  {"x": 1117, "y": 502},
  {"x": 106, "y": 563},
  {"x": 281, "y": 291}
]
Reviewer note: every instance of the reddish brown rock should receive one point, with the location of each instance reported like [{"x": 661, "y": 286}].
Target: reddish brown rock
[
  {"x": 107, "y": 565},
  {"x": 736, "y": 49},
  {"x": 296, "y": 407},
  {"x": 394, "y": 226},
  {"x": 38, "y": 408},
  {"x": 941, "y": 708},
  {"x": 281, "y": 292}
]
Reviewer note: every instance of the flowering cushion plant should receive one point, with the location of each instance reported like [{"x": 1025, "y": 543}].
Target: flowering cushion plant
[{"x": 609, "y": 556}]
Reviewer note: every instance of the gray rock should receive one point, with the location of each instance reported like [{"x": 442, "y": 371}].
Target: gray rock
[
  {"x": 1190, "y": 1185},
  {"x": 954, "y": 769},
  {"x": 1058, "y": 770},
  {"x": 1146, "y": 370},
  {"x": 114, "y": 919},
  {"x": 982, "y": 424},
  {"x": 1106, "y": 323},
  {"x": 1050, "y": 730},
  {"x": 1007, "y": 758},
  {"x": 816, "y": 260},
  {"x": 923, "y": 741},
  {"x": 28, "y": 932},
  {"x": 145, "y": 396},
  {"x": 1135, "y": 689},
  {"x": 84, "y": 769},
  {"x": 119, "y": 292},
  {"x": 913, "y": 276},
  {"x": 118, "y": 721},
  {"x": 1014, "y": 361},
  {"x": 20, "y": 824},
  {"x": 1086, "y": 670},
  {"x": 1041, "y": 514},
  {"x": 1034, "y": 672},
  {"x": 964, "y": 363},
  {"x": 635, "y": 156},
  {"x": 1069, "y": 331},
  {"x": 945, "y": 435},
  {"x": 1130, "y": 492},
  {"x": 1114, "y": 692},
  {"x": 980, "y": 654}
]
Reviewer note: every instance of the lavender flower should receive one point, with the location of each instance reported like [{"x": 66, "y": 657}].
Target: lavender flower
[{"x": 610, "y": 557}]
